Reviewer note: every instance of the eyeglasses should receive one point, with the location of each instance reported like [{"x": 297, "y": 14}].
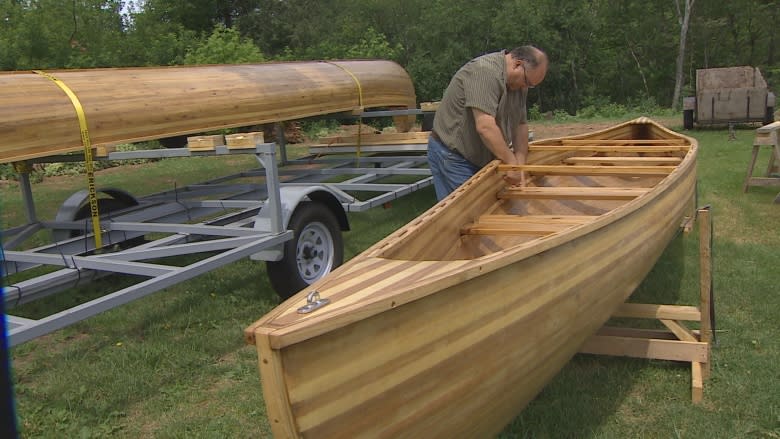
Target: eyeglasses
[{"x": 525, "y": 76}]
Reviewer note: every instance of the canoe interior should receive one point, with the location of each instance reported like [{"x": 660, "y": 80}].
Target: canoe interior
[{"x": 495, "y": 217}]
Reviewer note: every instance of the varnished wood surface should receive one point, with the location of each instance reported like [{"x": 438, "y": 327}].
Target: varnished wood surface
[
  {"x": 437, "y": 331},
  {"x": 131, "y": 104}
]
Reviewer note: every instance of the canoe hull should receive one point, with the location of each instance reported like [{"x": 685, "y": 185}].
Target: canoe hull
[
  {"x": 480, "y": 342},
  {"x": 132, "y": 104}
]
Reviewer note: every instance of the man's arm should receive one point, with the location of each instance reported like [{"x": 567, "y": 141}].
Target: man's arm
[
  {"x": 520, "y": 146},
  {"x": 520, "y": 143},
  {"x": 492, "y": 138}
]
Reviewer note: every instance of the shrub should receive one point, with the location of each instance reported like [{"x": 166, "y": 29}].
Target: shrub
[{"x": 224, "y": 46}]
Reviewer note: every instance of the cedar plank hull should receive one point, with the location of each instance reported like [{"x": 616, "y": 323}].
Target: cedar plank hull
[
  {"x": 455, "y": 346},
  {"x": 37, "y": 119}
]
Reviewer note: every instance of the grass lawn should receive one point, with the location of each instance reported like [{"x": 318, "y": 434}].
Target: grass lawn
[{"x": 174, "y": 364}]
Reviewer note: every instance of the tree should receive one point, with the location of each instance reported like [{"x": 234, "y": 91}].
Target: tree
[{"x": 684, "y": 19}]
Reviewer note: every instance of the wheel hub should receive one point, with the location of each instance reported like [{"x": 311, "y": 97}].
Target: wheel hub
[{"x": 315, "y": 252}]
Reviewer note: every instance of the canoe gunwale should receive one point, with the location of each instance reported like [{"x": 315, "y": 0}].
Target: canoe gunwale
[{"x": 281, "y": 336}]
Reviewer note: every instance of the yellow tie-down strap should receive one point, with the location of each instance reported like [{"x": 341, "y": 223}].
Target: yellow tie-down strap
[
  {"x": 360, "y": 104},
  {"x": 93, "y": 204}
]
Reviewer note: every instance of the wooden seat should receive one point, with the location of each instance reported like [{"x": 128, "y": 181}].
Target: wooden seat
[{"x": 573, "y": 193}]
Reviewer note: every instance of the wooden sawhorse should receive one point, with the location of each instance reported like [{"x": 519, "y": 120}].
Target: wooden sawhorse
[
  {"x": 677, "y": 342},
  {"x": 767, "y": 135}
]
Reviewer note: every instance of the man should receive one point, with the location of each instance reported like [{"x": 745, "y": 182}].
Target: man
[{"x": 481, "y": 114}]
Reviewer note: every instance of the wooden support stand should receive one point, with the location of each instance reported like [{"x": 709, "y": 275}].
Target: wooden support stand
[
  {"x": 677, "y": 342},
  {"x": 767, "y": 135}
]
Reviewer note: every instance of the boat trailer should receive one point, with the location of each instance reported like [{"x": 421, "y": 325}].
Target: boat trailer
[{"x": 223, "y": 218}]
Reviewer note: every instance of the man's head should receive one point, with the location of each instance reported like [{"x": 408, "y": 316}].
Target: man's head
[{"x": 526, "y": 67}]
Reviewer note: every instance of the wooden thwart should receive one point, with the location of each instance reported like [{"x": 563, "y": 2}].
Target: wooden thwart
[
  {"x": 601, "y": 147},
  {"x": 541, "y": 219},
  {"x": 591, "y": 170},
  {"x": 626, "y": 161},
  {"x": 498, "y": 228},
  {"x": 573, "y": 193},
  {"x": 677, "y": 342}
]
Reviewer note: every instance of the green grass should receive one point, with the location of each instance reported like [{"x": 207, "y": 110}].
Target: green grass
[{"x": 174, "y": 364}]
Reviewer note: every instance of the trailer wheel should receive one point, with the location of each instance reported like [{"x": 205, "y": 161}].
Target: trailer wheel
[
  {"x": 688, "y": 119},
  {"x": 315, "y": 250}
]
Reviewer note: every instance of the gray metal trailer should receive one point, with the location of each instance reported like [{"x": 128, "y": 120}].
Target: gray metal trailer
[{"x": 291, "y": 218}]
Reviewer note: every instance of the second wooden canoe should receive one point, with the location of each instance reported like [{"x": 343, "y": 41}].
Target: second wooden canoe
[
  {"x": 38, "y": 119},
  {"x": 451, "y": 325}
]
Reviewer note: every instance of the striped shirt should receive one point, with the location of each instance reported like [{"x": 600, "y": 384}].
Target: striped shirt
[{"x": 480, "y": 84}]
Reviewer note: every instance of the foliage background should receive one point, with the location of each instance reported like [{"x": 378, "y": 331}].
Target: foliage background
[{"x": 603, "y": 52}]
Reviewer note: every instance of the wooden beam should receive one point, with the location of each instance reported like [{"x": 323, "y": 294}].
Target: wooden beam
[
  {"x": 673, "y": 350},
  {"x": 626, "y": 161},
  {"x": 591, "y": 170},
  {"x": 649, "y": 311},
  {"x": 679, "y": 330},
  {"x": 697, "y": 382},
  {"x": 572, "y": 193},
  {"x": 662, "y": 334}
]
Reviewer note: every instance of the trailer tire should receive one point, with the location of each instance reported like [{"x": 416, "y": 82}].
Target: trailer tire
[
  {"x": 316, "y": 248},
  {"x": 688, "y": 119}
]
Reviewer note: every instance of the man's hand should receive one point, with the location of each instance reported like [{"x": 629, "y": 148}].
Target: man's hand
[{"x": 515, "y": 178}]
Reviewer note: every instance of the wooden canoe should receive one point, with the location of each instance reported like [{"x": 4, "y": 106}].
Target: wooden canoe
[
  {"x": 38, "y": 119},
  {"x": 451, "y": 325}
]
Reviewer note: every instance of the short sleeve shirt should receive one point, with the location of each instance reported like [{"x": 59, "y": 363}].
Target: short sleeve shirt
[{"x": 480, "y": 84}]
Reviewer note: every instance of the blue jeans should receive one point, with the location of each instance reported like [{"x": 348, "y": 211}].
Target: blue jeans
[{"x": 448, "y": 168}]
